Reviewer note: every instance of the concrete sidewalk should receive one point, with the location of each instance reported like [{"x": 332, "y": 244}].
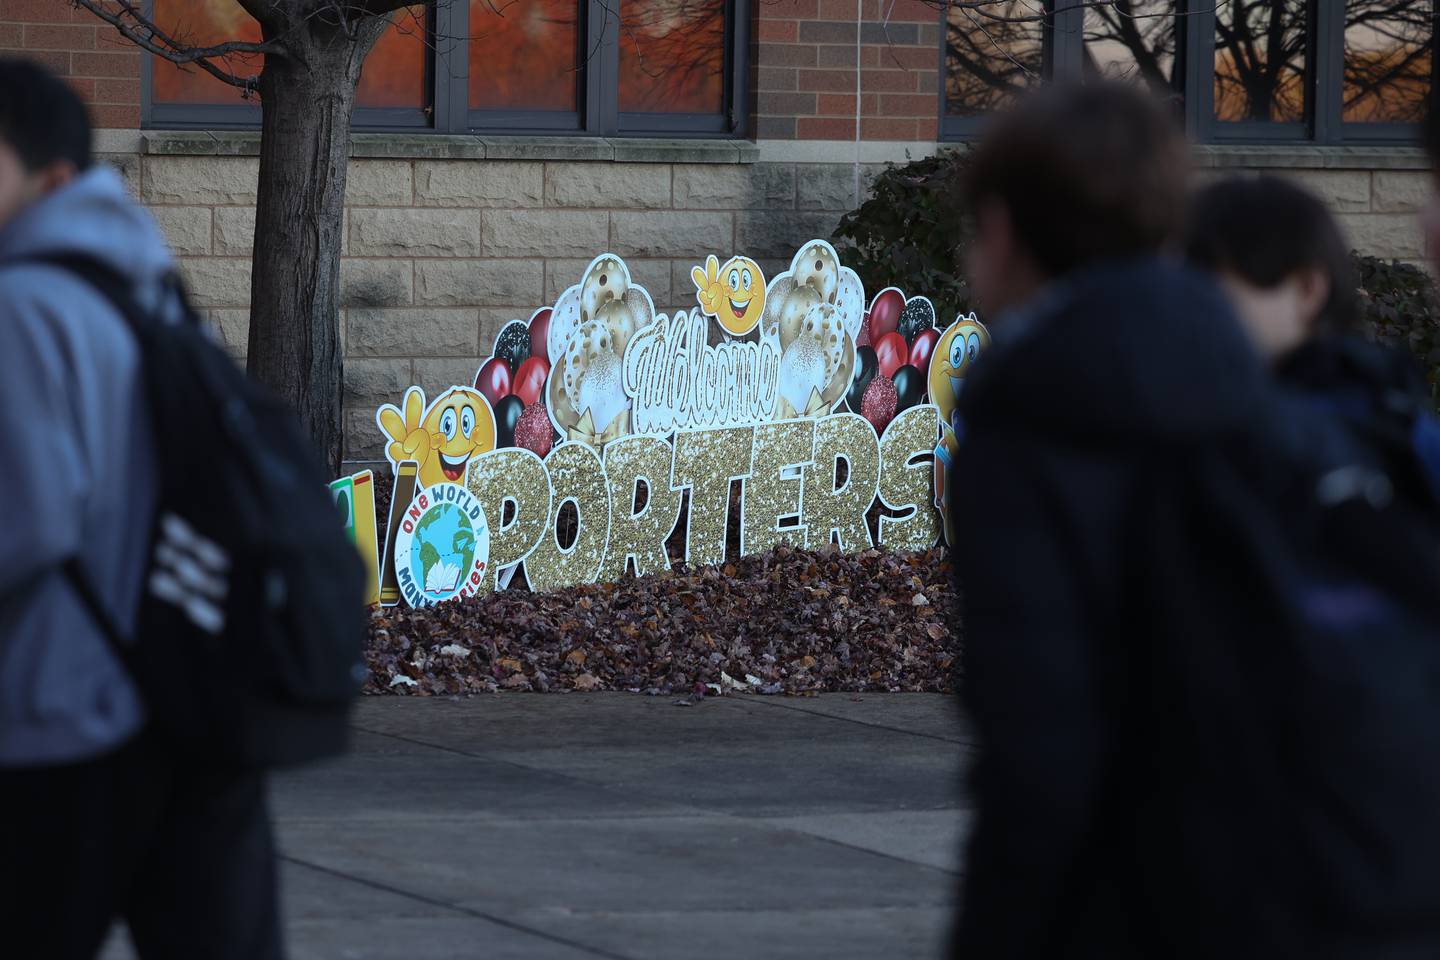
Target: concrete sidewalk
[{"x": 613, "y": 825}]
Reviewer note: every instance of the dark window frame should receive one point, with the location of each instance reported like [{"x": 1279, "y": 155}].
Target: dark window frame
[
  {"x": 1055, "y": 50},
  {"x": 1323, "y": 124},
  {"x": 448, "y": 87}
]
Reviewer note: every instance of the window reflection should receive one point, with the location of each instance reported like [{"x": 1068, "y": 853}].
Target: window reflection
[
  {"x": 394, "y": 74},
  {"x": 1388, "y": 52},
  {"x": 672, "y": 56},
  {"x": 992, "y": 54},
  {"x": 524, "y": 54},
  {"x": 1260, "y": 63},
  {"x": 1135, "y": 40}
]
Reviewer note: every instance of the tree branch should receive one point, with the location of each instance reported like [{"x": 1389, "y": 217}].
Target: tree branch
[{"x": 144, "y": 33}]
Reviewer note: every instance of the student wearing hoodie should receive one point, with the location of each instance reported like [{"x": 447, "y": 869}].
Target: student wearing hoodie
[
  {"x": 101, "y": 823},
  {"x": 1106, "y": 352},
  {"x": 1283, "y": 262}
]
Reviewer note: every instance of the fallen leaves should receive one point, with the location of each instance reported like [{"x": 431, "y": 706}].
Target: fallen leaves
[{"x": 787, "y": 621}]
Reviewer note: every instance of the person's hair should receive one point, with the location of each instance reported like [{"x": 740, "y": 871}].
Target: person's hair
[
  {"x": 1086, "y": 173},
  {"x": 41, "y": 118},
  {"x": 1265, "y": 229}
]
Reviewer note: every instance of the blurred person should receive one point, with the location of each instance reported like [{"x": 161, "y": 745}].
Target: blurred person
[
  {"x": 1284, "y": 263},
  {"x": 1179, "y": 753},
  {"x": 103, "y": 821}
]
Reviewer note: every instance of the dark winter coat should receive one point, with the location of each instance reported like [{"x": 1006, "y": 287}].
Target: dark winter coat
[
  {"x": 1081, "y": 390},
  {"x": 1383, "y": 403}
]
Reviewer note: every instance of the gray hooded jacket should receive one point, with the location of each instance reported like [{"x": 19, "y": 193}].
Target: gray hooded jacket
[{"x": 77, "y": 470}]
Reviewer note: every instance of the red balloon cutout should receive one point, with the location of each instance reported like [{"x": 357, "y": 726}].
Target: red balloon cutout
[
  {"x": 533, "y": 430},
  {"x": 921, "y": 349},
  {"x": 891, "y": 353},
  {"x": 539, "y": 332},
  {"x": 493, "y": 380},
  {"x": 530, "y": 380},
  {"x": 885, "y": 314},
  {"x": 878, "y": 404}
]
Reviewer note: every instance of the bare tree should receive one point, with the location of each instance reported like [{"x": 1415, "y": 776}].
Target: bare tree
[
  {"x": 1260, "y": 54},
  {"x": 1389, "y": 66},
  {"x": 313, "y": 52},
  {"x": 996, "y": 47}
]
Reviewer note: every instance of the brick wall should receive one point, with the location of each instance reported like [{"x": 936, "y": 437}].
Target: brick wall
[
  {"x": 805, "y": 76},
  {"x": 88, "y": 53}
]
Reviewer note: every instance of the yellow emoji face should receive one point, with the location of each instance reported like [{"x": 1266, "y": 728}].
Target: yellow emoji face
[
  {"x": 733, "y": 294},
  {"x": 460, "y": 424},
  {"x": 954, "y": 352},
  {"x": 442, "y": 439}
]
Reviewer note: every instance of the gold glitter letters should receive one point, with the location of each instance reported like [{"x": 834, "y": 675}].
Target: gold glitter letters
[
  {"x": 577, "y": 476},
  {"x": 830, "y": 510},
  {"x": 906, "y": 480},
  {"x": 783, "y": 455},
  {"x": 517, "y": 477},
  {"x": 706, "y": 461},
  {"x": 640, "y": 535}
]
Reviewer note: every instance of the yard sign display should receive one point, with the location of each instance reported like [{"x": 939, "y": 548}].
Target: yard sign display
[{"x": 603, "y": 406}]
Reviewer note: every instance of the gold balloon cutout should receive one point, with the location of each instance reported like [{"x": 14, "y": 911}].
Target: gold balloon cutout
[
  {"x": 787, "y": 447},
  {"x": 517, "y": 476},
  {"x": 640, "y": 535},
  {"x": 707, "y": 461},
  {"x": 905, "y": 484},
  {"x": 575, "y": 474},
  {"x": 831, "y": 510}
]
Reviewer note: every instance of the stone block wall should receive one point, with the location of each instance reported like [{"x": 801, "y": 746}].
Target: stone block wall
[
  {"x": 439, "y": 253},
  {"x": 1375, "y": 194}
]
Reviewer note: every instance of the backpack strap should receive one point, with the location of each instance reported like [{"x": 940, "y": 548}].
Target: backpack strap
[{"x": 79, "y": 581}]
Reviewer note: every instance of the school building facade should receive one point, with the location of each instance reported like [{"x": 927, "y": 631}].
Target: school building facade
[{"x": 504, "y": 145}]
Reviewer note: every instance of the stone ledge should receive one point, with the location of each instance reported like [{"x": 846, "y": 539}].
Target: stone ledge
[
  {"x": 1311, "y": 157},
  {"x": 411, "y": 146}
]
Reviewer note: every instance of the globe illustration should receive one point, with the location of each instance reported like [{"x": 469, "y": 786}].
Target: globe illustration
[{"x": 443, "y": 550}]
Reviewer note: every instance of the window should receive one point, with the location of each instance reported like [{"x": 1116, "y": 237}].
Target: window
[
  {"x": 1262, "y": 54},
  {"x": 1240, "y": 71},
  {"x": 603, "y": 67},
  {"x": 1388, "y": 62},
  {"x": 990, "y": 56}
]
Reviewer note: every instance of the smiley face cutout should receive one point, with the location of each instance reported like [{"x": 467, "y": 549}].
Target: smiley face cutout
[
  {"x": 734, "y": 294},
  {"x": 955, "y": 351},
  {"x": 444, "y": 437}
]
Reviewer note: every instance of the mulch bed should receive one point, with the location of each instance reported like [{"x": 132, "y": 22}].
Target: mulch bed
[{"x": 788, "y": 621}]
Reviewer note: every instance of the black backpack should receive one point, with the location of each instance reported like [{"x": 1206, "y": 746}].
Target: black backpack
[
  {"x": 248, "y": 645},
  {"x": 1286, "y": 686}
]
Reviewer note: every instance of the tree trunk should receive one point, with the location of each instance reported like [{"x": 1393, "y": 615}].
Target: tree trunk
[{"x": 307, "y": 95}]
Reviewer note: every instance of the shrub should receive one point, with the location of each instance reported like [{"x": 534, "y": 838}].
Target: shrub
[
  {"x": 1398, "y": 308},
  {"x": 910, "y": 234}
]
